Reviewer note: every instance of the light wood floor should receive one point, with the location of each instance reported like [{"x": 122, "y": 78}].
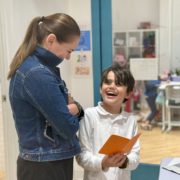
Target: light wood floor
[{"x": 156, "y": 145}]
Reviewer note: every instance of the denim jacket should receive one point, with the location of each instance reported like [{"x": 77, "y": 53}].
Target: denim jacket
[{"x": 38, "y": 96}]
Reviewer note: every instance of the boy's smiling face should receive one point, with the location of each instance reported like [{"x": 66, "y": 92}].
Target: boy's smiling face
[{"x": 113, "y": 94}]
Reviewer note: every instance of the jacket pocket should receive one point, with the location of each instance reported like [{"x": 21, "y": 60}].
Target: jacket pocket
[{"x": 48, "y": 132}]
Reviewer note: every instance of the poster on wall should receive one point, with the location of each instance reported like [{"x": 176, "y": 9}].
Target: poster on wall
[
  {"x": 144, "y": 68},
  {"x": 84, "y": 43},
  {"x": 82, "y": 64},
  {"x": 82, "y": 56}
]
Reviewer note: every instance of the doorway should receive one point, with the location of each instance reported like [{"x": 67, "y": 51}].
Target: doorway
[
  {"x": 2, "y": 153},
  {"x": 109, "y": 16}
]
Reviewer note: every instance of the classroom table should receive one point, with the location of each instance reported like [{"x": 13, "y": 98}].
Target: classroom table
[{"x": 162, "y": 87}]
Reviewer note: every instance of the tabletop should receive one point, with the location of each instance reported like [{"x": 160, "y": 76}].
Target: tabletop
[
  {"x": 163, "y": 85},
  {"x": 166, "y": 174}
]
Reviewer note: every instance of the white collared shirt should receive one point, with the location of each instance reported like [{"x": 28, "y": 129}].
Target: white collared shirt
[{"x": 95, "y": 129}]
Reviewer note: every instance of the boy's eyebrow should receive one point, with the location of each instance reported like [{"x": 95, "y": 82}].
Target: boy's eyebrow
[{"x": 108, "y": 79}]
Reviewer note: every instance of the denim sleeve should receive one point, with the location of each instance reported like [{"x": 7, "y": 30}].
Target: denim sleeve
[{"x": 42, "y": 90}]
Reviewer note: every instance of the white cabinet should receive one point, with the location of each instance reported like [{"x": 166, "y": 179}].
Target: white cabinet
[{"x": 140, "y": 43}]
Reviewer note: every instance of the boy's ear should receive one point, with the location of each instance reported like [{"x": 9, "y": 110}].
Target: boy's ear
[{"x": 128, "y": 95}]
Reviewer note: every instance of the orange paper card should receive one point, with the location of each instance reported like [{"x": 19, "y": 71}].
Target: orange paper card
[{"x": 118, "y": 144}]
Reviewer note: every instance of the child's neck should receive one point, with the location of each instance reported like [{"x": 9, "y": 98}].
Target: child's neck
[{"x": 112, "y": 109}]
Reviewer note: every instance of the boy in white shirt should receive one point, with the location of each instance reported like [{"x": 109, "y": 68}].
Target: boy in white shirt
[{"x": 103, "y": 120}]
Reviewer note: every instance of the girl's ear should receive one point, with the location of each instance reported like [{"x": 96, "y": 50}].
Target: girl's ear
[{"x": 49, "y": 40}]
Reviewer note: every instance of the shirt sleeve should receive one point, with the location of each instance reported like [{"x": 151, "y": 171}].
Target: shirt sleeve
[
  {"x": 86, "y": 158},
  {"x": 133, "y": 156}
]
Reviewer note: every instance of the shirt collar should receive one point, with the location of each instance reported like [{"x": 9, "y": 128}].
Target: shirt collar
[{"x": 116, "y": 118}]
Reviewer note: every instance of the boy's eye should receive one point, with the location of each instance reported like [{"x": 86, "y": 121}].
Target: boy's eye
[
  {"x": 107, "y": 81},
  {"x": 118, "y": 83}
]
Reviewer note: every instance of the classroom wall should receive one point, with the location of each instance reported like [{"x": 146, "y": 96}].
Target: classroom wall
[
  {"x": 21, "y": 18},
  {"x": 81, "y": 86},
  {"x": 128, "y": 14},
  {"x": 2, "y": 158}
]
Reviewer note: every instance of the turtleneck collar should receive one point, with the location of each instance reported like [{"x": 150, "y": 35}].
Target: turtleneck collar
[{"x": 46, "y": 57}]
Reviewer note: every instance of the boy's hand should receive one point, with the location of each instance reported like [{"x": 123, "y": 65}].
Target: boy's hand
[
  {"x": 70, "y": 99},
  {"x": 116, "y": 160},
  {"x": 73, "y": 109},
  {"x": 71, "y": 105}
]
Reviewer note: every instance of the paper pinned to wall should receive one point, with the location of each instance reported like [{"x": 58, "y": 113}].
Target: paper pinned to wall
[{"x": 144, "y": 68}]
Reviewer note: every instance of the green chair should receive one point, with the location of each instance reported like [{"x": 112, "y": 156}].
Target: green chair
[{"x": 146, "y": 172}]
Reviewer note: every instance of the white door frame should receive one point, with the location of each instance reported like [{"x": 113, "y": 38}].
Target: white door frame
[{"x": 6, "y": 42}]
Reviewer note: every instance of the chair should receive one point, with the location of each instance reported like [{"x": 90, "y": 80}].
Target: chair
[
  {"x": 146, "y": 172},
  {"x": 172, "y": 94}
]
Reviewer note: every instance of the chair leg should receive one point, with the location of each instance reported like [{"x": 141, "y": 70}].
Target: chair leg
[
  {"x": 163, "y": 117},
  {"x": 169, "y": 119}
]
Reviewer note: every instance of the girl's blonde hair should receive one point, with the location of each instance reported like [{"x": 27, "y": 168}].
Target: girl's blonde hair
[{"x": 62, "y": 25}]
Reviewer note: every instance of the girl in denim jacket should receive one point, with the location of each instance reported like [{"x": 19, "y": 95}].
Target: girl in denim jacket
[{"x": 46, "y": 119}]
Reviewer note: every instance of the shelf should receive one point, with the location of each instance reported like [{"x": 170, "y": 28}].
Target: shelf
[{"x": 140, "y": 43}]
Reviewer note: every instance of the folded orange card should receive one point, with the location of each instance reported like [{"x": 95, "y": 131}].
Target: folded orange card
[{"x": 118, "y": 144}]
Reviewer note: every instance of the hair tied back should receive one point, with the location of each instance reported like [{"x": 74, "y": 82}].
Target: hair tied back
[{"x": 41, "y": 20}]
